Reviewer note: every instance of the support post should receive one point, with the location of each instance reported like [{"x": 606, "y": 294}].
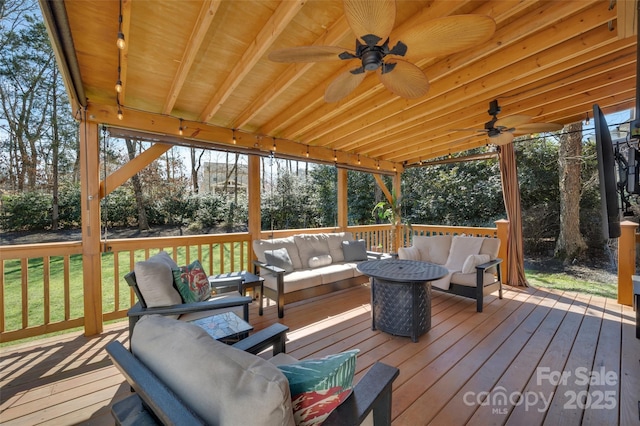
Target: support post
[
  {"x": 502, "y": 226},
  {"x": 398, "y": 234},
  {"x": 626, "y": 261},
  {"x": 255, "y": 219},
  {"x": 90, "y": 214},
  {"x": 342, "y": 199}
]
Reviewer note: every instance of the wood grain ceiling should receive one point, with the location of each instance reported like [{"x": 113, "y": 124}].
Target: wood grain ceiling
[{"x": 205, "y": 62}]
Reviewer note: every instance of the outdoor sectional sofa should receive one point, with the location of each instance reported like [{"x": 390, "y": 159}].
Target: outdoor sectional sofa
[
  {"x": 472, "y": 262},
  {"x": 308, "y": 265}
]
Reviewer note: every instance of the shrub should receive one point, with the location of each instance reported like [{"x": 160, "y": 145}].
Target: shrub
[{"x": 27, "y": 211}]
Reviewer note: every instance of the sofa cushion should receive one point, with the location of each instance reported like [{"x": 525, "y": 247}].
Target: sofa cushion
[
  {"x": 334, "y": 241},
  {"x": 318, "y": 386},
  {"x": 280, "y": 258},
  {"x": 155, "y": 282},
  {"x": 337, "y": 272},
  {"x": 473, "y": 261},
  {"x": 461, "y": 249},
  {"x": 320, "y": 260},
  {"x": 260, "y": 246},
  {"x": 192, "y": 282},
  {"x": 409, "y": 253},
  {"x": 221, "y": 384},
  {"x": 311, "y": 245},
  {"x": 433, "y": 249},
  {"x": 469, "y": 280},
  {"x": 296, "y": 280},
  {"x": 354, "y": 250}
]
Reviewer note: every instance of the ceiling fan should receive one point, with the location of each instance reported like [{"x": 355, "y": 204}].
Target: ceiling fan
[
  {"x": 372, "y": 23},
  {"x": 501, "y": 131}
]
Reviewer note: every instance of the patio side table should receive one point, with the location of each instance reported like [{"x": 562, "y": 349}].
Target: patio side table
[
  {"x": 401, "y": 295},
  {"x": 240, "y": 282}
]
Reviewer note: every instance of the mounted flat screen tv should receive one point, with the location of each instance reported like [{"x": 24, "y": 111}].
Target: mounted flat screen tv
[{"x": 607, "y": 173}]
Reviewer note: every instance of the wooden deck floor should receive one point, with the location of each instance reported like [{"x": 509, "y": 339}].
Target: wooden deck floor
[{"x": 535, "y": 357}]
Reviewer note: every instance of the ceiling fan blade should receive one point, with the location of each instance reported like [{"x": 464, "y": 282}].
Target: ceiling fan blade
[
  {"x": 370, "y": 17},
  {"x": 344, "y": 84},
  {"x": 527, "y": 129},
  {"x": 307, "y": 54},
  {"x": 502, "y": 138},
  {"x": 405, "y": 79},
  {"x": 447, "y": 35},
  {"x": 469, "y": 130},
  {"x": 512, "y": 121}
]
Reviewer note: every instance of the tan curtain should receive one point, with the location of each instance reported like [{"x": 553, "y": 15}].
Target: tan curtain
[{"x": 511, "y": 193}]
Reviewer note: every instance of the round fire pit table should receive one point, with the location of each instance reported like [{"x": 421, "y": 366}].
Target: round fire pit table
[{"x": 401, "y": 295}]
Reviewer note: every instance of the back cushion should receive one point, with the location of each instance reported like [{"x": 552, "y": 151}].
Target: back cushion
[
  {"x": 260, "y": 246},
  {"x": 311, "y": 245},
  {"x": 433, "y": 249},
  {"x": 335, "y": 244},
  {"x": 490, "y": 246},
  {"x": 221, "y": 384},
  {"x": 155, "y": 282}
]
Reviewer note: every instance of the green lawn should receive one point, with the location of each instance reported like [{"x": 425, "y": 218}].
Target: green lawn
[{"x": 566, "y": 282}]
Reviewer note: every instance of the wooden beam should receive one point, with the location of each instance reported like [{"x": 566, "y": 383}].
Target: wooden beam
[
  {"x": 205, "y": 17},
  {"x": 124, "y": 173},
  {"x": 383, "y": 188},
  {"x": 626, "y": 18},
  {"x": 222, "y": 138},
  {"x": 90, "y": 213},
  {"x": 255, "y": 220},
  {"x": 342, "y": 199},
  {"x": 293, "y": 72},
  {"x": 267, "y": 35}
]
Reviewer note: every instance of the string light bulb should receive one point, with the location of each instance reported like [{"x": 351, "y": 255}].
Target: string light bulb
[
  {"x": 358, "y": 159},
  {"x": 120, "y": 42},
  {"x": 378, "y": 165},
  {"x": 120, "y": 115},
  {"x": 335, "y": 156},
  {"x": 233, "y": 139},
  {"x": 307, "y": 153},
  {"x": 274, "y": 145},
  {"x": 181, "y": 128},
  {"x": 119, "y": 86}
]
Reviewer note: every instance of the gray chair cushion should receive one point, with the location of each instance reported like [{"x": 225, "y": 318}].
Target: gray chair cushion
[
  {"x": 221, "y": 384},
  {"x": 155, "y": 282}
]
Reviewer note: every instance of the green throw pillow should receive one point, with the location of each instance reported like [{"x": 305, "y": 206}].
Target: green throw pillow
[
  {"x": 192, "y": 282},
  {"x": 318, "y": 386}
]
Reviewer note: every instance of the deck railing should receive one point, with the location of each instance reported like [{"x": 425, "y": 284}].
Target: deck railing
[{"x": 41, "y": 285}]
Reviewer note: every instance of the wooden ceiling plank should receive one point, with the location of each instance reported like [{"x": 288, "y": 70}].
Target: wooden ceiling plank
[
  {"x": 485, "y": 68},
  {"x": 331, "y": 37},
  {"x": 552, "y": 79},
  {"x": 124, "y": 53},
  {"x": 454, "y": 65},
  {"x": 285, "y": 12},
  {"x": 575, "y": 107},
  {"x": 205, "y": 17},
  {"x": 549, "y": 112}
]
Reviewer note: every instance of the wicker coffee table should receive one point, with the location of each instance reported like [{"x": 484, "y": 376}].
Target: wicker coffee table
[{"x": 401, "y": 295}]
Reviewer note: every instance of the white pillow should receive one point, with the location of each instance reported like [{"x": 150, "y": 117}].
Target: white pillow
[
  {"x": 155, "y": 282},
  {"x": 320, "y": 260},
  {"x": 473, "y": 261}
]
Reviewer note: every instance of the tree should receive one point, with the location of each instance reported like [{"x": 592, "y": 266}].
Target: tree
[
  {"x": 143, "y": 224},
  {"x": 570, "y": 244}
]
